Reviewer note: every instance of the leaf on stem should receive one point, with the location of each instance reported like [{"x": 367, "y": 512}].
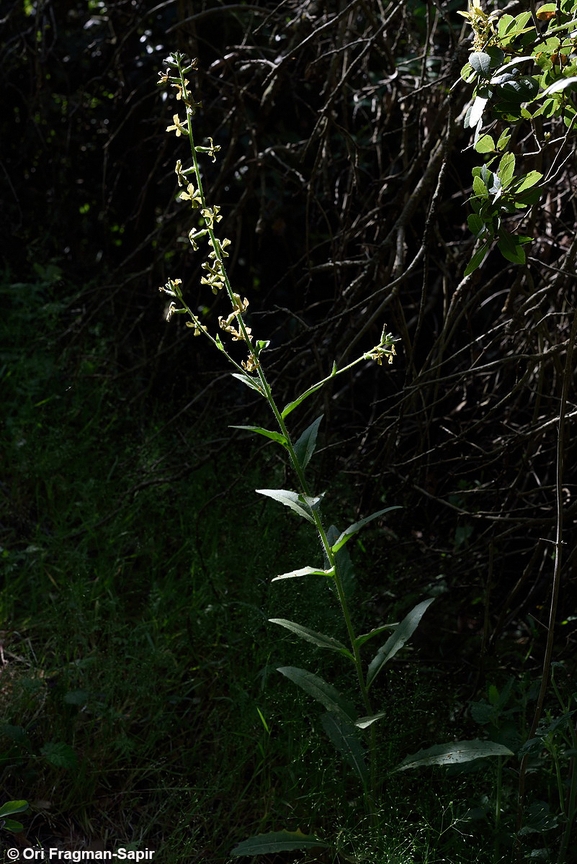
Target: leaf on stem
[
  {"x": 305, "y": 446},
  {"x": 292, "y": 405},
  {"x": 277, "y": 841},
  {"x": 324, "y": 693},
  {"x": 360, "y": 640},
  {"x": 274, "y": 436},
  {"x": 451, "y": 754},
  {"x": 397, "y": 639},
  {"x": 352, "y": 529},
  {"x": 312, "y": 636},
  {"x": 250, "y": 382},
  {"x": 345, "y": 738},
  {"x": 365, "y": 722},
  {"x": 304, "y": 571},
  {"x": 344, "y": 565},
  {"x": 477, "y": 259},
  {"x": 291, "y": 499}
]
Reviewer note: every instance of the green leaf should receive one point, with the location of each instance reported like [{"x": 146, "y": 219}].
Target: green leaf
[
  {"x": 479, "y": 188},
  {"x": 360, "y": 640},
  {"x": 397, "y": 639},
  {"x": 344, "y": 565},
  {"x": 304, "y": 571},
  {"x": 253, "y": 383},
  {"x": 324, "y": 693},
  {"x": 481, "y": 63},
  {"x": 345, "y": 738},
  {"x": 312, "y": 636},
  {"x": 11, "y": 807},
  {"x": 510, "y": 248},
  {"x": 451, "y": 754},
  {"x": 521, "y": 89},
  {"x": 475, "y": 113},
  {"x": 305, "y": 446},
  {"x": 477, "y": 258},
  {"x": 356, "y": 526},
  {"x": 485, "y": 144},
  {"x": 60, "y": 755},
  {"x": 290, "y": 499},
  {"x": 277, "y": 841},
  {"x": 528, "y": 180},
  {"x": 12, "y": 825},
  {"x": 274, "y": 436},
  {"x": 477, "y": 225},
  {"x": 504, "y": 139},
  {"x": 506, "y": 168},
  {"x": 365, "y": 722},
  {"x": 292, "y": 405},
  {"x": 562, "y": 84}
]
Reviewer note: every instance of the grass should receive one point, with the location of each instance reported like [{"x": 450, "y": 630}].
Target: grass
[{"x": 139, "y": 696}]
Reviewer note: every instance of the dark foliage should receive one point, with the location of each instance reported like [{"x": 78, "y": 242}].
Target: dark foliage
[{"x": 343, "y": 177}]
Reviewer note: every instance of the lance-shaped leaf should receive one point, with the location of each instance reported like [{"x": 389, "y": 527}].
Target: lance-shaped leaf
[
  {"x": 274, "y": 436},
  {"x": 277, "y": 841},
  {"x": 344, "y": 565},
  {"x": 365, "y": 722},
  {"x": 296, "y": 502},
  {"x": 562, "y": 84},
  {"x": 356, "y": 526},
  {"x": 397, "y": 639},
  {"x": 345, "y": 738},
  {"x": 312, "y": 636},
  {"x": 324, "y": 693},
  {"x": 305, "y": 446},
  {"x": 292, "y": 405},
  {"x": 253, "y": 383},
  {"x": 477, "y": 258},
  {"x": 360, "y": 640},
  {"x": 304, "y": 571},
  {"x": 451, "y": 754}
]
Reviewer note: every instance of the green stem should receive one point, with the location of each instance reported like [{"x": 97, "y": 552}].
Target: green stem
[{"x": 266, "y": 391}]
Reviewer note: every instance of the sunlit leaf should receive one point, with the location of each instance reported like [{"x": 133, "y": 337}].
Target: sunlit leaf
[
  {"x": 289, "y": 499},
  {"x": 452, "y": 754},
  {"x": 365, "y": 722},
  {"x": 312, "y": 636},
  {"x": 274, "y": 436},
  {"x": 481, "y": 63},
  {"x": 485, "y": 144},
  {"x": 304, "y": 571}
]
